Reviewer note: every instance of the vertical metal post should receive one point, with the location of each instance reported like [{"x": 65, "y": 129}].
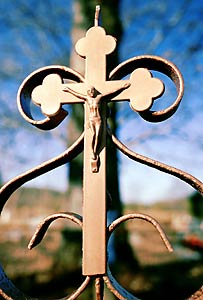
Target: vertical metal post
[{"x": 94, "y": 203}]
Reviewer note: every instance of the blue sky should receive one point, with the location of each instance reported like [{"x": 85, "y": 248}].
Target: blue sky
[{"x": 173, "y": 30}]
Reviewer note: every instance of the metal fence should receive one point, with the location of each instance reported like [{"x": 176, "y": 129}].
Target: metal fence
[{"x": 46, "y": 88}]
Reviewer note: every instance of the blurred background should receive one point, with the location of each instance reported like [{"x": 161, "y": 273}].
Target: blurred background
[{"x": 35, "y": 34}]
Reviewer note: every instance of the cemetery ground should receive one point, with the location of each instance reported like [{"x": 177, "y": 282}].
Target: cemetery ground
[{"x": 53, "y": 268}]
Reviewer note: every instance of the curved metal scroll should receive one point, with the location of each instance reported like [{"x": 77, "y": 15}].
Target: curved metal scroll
[
  {"x": 35, "y": 79},
  {"x": 155, "y": 63}
]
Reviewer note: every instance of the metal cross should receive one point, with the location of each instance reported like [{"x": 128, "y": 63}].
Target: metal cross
[{"x": 95, "y": 92}]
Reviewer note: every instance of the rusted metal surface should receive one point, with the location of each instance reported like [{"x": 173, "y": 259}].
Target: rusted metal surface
[
  {"x": 43, "y": 226},
  {"x": 99, "y": 288},
  {"x": 198, "y": 295},
  {"x": 47, "y": 88},
  {"x": 144, "y": 217}
]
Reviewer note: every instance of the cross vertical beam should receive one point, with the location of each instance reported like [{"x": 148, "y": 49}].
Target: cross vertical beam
[{"x": 94, "y": 203}]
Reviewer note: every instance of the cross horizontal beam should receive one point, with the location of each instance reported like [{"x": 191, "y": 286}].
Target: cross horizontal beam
[{"x": 143, "y": 89}]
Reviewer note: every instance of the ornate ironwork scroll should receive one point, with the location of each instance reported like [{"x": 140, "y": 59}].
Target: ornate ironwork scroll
[{"x": 46, "y": 88}]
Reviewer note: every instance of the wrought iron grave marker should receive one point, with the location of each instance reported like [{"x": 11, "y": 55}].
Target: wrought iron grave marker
[{"x": 46, "y": 88}]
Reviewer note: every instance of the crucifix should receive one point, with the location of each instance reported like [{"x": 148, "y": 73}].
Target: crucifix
[
  {"x": 47, "y": 89},
  {"x": 95, "y": 93}
]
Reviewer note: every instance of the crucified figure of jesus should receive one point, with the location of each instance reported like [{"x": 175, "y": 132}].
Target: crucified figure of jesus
[{"x": 93, "y": 99}]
